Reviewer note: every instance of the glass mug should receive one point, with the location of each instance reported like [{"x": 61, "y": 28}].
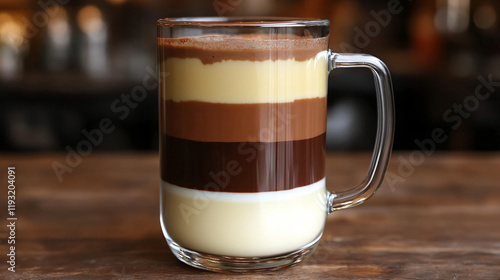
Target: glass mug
[{"x": 242, "y": 139}]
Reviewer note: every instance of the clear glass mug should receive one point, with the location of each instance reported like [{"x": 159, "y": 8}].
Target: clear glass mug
[{"x": 242, "y": 139}]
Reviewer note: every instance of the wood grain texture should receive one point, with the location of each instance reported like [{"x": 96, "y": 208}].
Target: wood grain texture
[{"x": 438, "y": 219}]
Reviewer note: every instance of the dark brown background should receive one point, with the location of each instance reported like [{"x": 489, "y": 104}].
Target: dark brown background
[{"x": 53, "y": 92}]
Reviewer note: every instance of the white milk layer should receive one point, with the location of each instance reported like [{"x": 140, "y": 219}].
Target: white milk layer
[{"x": 244, "y": 224}]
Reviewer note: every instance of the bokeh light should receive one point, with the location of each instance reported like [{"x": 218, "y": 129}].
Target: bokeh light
[
  {"x": 90, "y": 20},
  {"x": 11, "y": 31},
  {"x": 485, "y": 17}
]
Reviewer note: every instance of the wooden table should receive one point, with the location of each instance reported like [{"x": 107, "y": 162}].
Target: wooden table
[{"x": 436, "y": 217}]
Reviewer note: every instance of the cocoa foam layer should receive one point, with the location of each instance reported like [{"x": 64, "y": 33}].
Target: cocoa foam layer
[
  {"x": 216, "y": 48},
  {"x": 257, "y": 122},
  {"x": 242, "y": 166}
]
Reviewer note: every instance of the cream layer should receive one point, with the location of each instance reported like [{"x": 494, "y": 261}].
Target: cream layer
[
  {"x": 243, "y": 224},
  {"x": 231, "y": 81}
]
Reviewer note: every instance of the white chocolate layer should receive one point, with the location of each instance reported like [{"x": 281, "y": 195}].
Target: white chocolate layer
[
  {"x": 244, "y": 224},
  {"x": 230, "y": 81}
]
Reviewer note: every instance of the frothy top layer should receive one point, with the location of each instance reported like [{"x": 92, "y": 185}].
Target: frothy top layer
[{"x": 253, "y": 47}]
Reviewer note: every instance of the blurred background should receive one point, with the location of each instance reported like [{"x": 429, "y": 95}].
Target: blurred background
[{"x": 65, "y": 66}]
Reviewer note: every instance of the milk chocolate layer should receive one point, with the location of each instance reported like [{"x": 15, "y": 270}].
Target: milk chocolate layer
[
  {"x": 242, "y": 166},
  {"x": 216, "y": 48},
  {"x": 258, "y": 122}
]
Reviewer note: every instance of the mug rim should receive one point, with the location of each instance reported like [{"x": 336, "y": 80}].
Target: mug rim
[{"x": 242, "y": 22}]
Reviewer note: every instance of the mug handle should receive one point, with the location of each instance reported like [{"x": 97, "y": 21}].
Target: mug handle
[{"x": 385, "y": 129}]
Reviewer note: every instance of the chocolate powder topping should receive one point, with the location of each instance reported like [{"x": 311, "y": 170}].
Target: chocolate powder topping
[{"x": 216, "y": 48}]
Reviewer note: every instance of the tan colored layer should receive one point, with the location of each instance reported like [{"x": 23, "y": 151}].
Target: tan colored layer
[
  {"x": 258, "y": 122},
  {"x": 188, "y": 79}
]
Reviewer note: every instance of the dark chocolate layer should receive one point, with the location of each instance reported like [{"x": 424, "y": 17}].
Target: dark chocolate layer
[
  {"x": 216, "y": 48},
  {"x": 242, "y": 166},
  {"x": 257, "y": 122}
]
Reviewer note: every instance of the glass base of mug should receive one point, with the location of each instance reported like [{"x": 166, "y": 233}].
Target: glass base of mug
[{"x": 225, "y": 264}]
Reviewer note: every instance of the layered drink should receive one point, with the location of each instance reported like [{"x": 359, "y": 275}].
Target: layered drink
[{"x": 242, "y": 142}]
